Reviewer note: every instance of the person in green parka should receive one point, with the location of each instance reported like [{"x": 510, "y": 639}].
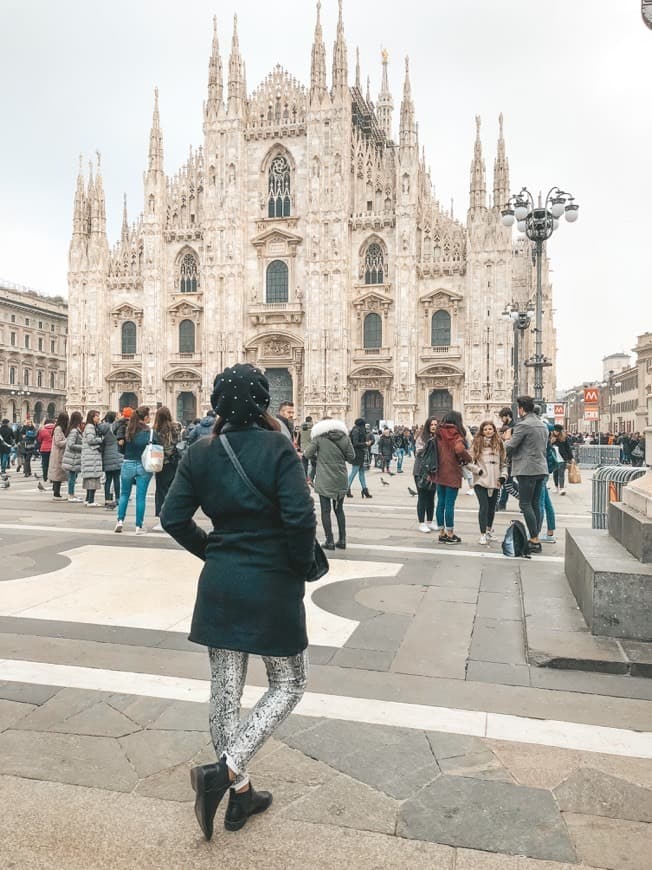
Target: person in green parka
[{"x": 331, "y": 446}]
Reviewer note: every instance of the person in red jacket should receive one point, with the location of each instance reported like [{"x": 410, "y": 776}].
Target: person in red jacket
[
  {"x": 452, "y": 454},
  {"x": 44, "y": 441}
]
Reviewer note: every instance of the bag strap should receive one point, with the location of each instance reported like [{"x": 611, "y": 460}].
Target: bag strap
[{"x": 224, "y": 441}]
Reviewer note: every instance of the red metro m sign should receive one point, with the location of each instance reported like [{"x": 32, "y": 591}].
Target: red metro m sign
[{"x": 591, "y": 395}]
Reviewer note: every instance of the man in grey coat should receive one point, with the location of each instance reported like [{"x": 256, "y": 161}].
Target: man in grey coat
[{"x": 526, "y": 447}]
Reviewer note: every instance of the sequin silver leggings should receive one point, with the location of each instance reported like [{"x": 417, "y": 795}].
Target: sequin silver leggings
[{"x": 240, "y": 740}]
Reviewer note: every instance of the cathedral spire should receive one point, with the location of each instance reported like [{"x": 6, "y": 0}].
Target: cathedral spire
[
  {"x": 156, "y": 140},
  {"x": 99, "y": 199},
  {"x": 124, "y": 235},
  {"x": 408, "y": 130},
  {"x": 358, "y": 83},
  {"x": 478, "y": 189},
  {"x": 78, "y": 219},
  {"x": 237, "y": 84},
  {"x": 215, "y": 80},
  {"x": 340, "y": 62},
  {"x": 318, "y": 62},
  {"x": 385, "y": 107},
  {"x": 501, "y": 170}
]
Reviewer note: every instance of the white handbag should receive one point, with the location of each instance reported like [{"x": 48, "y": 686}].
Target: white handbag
[{"x": 153, "y": 456}]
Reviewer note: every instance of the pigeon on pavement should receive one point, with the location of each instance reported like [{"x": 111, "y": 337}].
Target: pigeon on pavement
[
  {"x": 6, "y": 484},
  {"x": 383, "y": 481},
  {"x": 411, "y": 491},
  {"x": 41, "y": 487}
]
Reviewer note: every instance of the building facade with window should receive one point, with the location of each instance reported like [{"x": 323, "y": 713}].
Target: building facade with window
[
  {"x": 303, "y": 235},
  {"x": 33, "y": 337}
]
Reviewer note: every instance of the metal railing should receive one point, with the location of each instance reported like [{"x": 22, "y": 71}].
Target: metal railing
[
  {"x": 607, "y": 486},
  {"x": 594, "y": 455}
]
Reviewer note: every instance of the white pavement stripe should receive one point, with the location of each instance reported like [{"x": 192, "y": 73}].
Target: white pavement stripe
[
  {"x": 477, "y": 723},
  {"x": 444, "y": 550},
  {"x": 440, "y": 551},
  {"x": 393, "y": 507}
]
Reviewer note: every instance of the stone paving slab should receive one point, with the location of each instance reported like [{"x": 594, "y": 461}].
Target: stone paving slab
[
  {"x": 491, "y": 816},
  {"x": 11, "y": 712},
  {"x": 96, "y": 762},
  {"x": 594, "y": 793},
  {"x": 396, "y": 761},
  {"x": 347, "y": 803},
  {"x": 612, "y": 844}
]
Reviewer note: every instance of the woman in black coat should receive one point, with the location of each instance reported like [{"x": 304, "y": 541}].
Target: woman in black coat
[{"x": 251, "y": 589}]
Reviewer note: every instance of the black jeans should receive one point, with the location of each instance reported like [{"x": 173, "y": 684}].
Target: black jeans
[
  {"x": 56, "y": 488},
  {"x": 163, "y": 483},
  {"x": 338, "y": 507},
  {"x": 529, "y": 486},
  {"x": 559, "y": 475},
  {"x": 27, "y": 464},
  {"x": 425, "y": 503},
  {"x": 45, "y": 465},
  {"x": 112, "y": 477},
  {"x": 487, "y": 504}
]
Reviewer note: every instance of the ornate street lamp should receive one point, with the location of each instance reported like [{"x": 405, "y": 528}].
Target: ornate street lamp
[
  {"x": 521, "y": 319},
  {"x": 538, "y": 222}
]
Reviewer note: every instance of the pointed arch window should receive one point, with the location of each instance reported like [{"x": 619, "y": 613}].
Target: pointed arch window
[
  {"x": 188, "y": 274},
  {"x": 186, "y": 336},
  {"x": 278, "y": 201},
  {"x": 441, "y": 329},
  {"x": 128, "y": 338},
  {"x": 373, "y": 331},
  {"x": 374, "y": 265},
  {"x": 276, "y": 285}
]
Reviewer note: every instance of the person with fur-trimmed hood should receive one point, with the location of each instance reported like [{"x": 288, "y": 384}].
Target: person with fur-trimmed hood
[{"x": 331, "y": 446}]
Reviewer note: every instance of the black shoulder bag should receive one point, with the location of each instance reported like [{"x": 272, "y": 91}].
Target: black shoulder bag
[{"x": 320, "y": 566}]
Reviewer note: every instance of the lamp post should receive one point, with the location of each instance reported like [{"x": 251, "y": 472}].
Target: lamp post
[
  {"x": 538, "y": 222},
  {"x": 521, "y": 319}
]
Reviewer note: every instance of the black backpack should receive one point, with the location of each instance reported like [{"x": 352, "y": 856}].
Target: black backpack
[
  {"x": 428, "y": 465},
  {"x": 515, "y": 542}
]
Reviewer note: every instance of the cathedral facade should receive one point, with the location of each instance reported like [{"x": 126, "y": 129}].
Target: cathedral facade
[{"x": 304, "y": 236}]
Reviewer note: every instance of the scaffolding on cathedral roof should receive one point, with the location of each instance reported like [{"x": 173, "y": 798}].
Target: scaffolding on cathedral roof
[{"x": 364, "y": 119}]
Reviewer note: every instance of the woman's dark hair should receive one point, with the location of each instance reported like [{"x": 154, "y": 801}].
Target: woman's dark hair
[
  {"x": 137, "y": 422},
  {"x": 75, "y": 421},
  {"x": 454, "y": 418},
  {"x": 109, "y": 417},
  {"x": 90, "y": 417},
  {"x": 265, "y": 421},
  {"x": 63, "y": 421},
  {"x": 426, "y": 426},
  {"x": 163, "y": 421}
]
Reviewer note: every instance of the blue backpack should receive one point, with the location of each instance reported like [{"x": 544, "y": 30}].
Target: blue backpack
[{"x": 515, "y": 542}]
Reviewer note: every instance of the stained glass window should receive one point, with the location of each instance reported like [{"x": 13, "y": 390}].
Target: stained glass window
[
  {"x": 188, "y": 274},
  {"x": 277, "y": 282},
  {"x": 373, "y": 331},
  {"x": 278, "y": 203},
  {"x": 374, "y": 265}
]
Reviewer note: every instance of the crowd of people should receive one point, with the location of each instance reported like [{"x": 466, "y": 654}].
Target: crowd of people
[
  {"x": 492, "y": 461},
  {"x": 251, "y": 474}
]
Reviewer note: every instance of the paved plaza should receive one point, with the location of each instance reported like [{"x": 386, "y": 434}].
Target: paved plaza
[{"x": 459, "y": 714}]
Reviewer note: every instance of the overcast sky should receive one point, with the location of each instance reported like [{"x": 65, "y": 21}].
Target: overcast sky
[{"x": 572, "y": 77}]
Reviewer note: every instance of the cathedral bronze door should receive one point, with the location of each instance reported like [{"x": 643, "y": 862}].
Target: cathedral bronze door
[
  {"x": 440, "y": 403},
  {"x": 280, "y": 388},
  {"x": 128, "y": 400},
  {"x": 373, "y": 407},
  {"x": 186, "y": 407}
]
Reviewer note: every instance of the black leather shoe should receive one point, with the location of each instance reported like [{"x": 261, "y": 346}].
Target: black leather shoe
[
  {"x": 241, "y": 806},
  {"x": 210, "y": 783},
  {"x": 329, "y": 545},
  {"x": 341, "y": 544},
  {"x": 349, "y": 494}
]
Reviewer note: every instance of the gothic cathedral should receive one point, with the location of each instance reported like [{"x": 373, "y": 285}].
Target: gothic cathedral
[{"x": 304, "y": 237}]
